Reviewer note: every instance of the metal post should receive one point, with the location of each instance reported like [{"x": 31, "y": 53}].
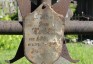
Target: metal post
[{"x": 71, "y": 27}]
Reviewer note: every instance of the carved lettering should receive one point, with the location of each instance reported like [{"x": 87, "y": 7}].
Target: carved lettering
[
  {"x": 36, "y": 30},
  {"x": 43, "y": 23},
  {"x": 32, "y": 39},
  {"x": 34, "y": 44},
  {"x": 41, "y": 38},
  {"x": 45, "y": 31},
  {"x": 33, "y": 50},
  {"x": 51, "y": 30}
]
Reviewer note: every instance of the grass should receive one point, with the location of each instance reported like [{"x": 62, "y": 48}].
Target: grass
[
  {"x": 82, "y": 52},
  {"x": 7, "y": 55},
  {"x": 11, "y": 46},
  {"x": 79, "y": 51}
]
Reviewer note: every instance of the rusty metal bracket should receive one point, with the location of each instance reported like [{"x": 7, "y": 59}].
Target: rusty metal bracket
[
  {"x": 25, "y": 7},
  {"x": 61, "y": 7}
]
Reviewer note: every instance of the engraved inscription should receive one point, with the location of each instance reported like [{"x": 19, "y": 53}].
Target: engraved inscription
[
  {"x": 34, "y": 51},
  {"x": 36, "y": 30},
  {"x": 31, "y": 39},
  {"x": 40, "y": 38},
  {"x": 40, "y": 44},
  {"x": 45, "y": 31},
  {"x": 43, "y": 23},
  {"x": 34, "y": 44},
  {"x": 43, "y": 34}
]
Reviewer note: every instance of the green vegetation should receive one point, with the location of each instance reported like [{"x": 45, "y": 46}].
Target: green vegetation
[
  {"x": 70, "y": 37},
  {"x": 7, "y": 17},
  {"x": 7, "y": 11},
  {"x": 10, "y": 17},
  {"x": 9, "y": 42},
  {"x": 9, "y": 45},
  {"x": 9, "y": 54},
  {"x": 73, "y": 7},
  {"x": 82, "y": 52}
]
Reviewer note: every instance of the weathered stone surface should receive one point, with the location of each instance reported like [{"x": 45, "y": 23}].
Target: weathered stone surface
[{"x": 43, "y": 34}]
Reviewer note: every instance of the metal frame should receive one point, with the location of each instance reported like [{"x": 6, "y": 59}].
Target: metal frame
[{"x": 71, "y": 27}]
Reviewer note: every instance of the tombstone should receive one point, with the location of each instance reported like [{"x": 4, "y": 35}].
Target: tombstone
[{"x": 43, "y": 31}]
